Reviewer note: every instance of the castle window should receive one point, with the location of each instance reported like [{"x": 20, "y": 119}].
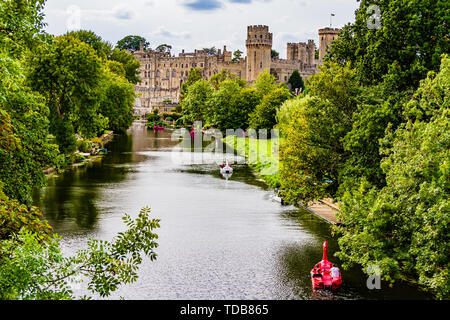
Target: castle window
[
  {"x": 261, "y": 36},
  {"x": 167, "y": 74},
  {"x": 201, "y": 65},
  {"x": 182, "y": 65},
  {"x": 260, "y": 65},
  {"x": 174, "y": 73}
]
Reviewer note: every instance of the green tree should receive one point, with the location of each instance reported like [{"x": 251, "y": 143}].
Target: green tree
[
  {"x": 25, "y": 150},
  {"x": 275, "y": 54},
  {"x": 195, "y": 102},
  {"x": 68, "y": 74},
  {"x": 21, "y": 26},
  {"x": 132, "y": 43},
  {"x": 237, "y": 56},
  {"x": 264, "y": 115},
  {"x": 34, "y": 268},
  {"x": 296, "y": 81},
  {"x": 163, "y": 48},
  {"x": 102, "y": 48},
  {"x": 403, "y": 227},
  {"x": 223, "y": 107},
  {"x": 265, "y": 83},
  {"x": 117, "y": 102},
  {"x": 129, "y": 63},
  {"x": 223, "y": 75},
  {"x": 312, "y": 152},
  {"x": 210, "y": 51},
  {"x": 195, "y": 74},
  {"x": 246, "y": 103},
  {"x": 409, "y": 43}
]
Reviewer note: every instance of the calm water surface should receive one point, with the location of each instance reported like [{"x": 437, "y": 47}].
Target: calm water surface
[{"x": 218, "y": 239}]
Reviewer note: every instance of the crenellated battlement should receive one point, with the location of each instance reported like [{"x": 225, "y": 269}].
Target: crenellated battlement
[
  {"x": 258, "y": 28},
  {"x": 162, "y": 74},
  {"x": 329, "y": 31}
]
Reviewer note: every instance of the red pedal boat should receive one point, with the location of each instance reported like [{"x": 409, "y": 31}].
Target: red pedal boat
[{"x": 325, "y": 275}]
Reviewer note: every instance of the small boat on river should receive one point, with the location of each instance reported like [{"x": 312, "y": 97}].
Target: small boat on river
[
  {"x": 156, "y": 128},
  {"x": 226, "y": 168},
  {"x": 326, "y": 275}
]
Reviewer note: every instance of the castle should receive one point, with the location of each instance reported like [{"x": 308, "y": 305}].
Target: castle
[{"x": 162, "y": 74}]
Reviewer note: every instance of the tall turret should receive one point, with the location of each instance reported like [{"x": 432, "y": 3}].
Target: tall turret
[
  {"x": 326, "y": 37},
  {"x": 259, "y": 50}
]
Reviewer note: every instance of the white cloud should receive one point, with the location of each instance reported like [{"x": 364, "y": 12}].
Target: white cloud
[
  {"x": 164, "y": 33},
  {"x": 169, "y": 21},
  {"x": 123, "y": 12}
]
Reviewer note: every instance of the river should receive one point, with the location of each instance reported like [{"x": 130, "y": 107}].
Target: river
[{"x": 218, "y": 239}]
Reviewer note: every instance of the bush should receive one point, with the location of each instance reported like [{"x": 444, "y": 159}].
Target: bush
[
  {"x": 175, "y": 116},
  {"x": 153, "y": 117},
  {"x": 179, "y": 122},
  {"x": 78, "y": 158}
]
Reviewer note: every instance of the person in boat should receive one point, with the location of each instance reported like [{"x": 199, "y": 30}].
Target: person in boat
[{"x": 335, "y": 271}]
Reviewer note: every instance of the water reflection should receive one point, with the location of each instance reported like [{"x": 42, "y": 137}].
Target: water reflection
[{"x": 219, "y": 239}]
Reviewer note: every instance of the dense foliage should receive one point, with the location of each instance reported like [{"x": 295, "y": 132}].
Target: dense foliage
[
  {"x": 132, "y": 43},
  {"x": 25, "y": 149},
  {"x": 63, "y": 85},
  {"x": 86, "y": 93},
  {"x": 296, "y": 82},
  {"x": 413, "y": 35},
  {"x": 312, "y": 152},
  {"x": 228, "y": 102},
  {"x": 33, "y": 267},
  {"x": 367, "y": 135},
  {"x": 404, "y": 227}
]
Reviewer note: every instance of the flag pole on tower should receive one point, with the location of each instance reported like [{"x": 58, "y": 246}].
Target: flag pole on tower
[{"x": 331, "y": 17}]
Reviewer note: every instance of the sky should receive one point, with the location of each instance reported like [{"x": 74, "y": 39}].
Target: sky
[{"x": 197, "y": 24}]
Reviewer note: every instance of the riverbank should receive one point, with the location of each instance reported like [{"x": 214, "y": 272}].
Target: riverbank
[
  {"x": 85, "y": 157},
  {"x": 263, "y": 158}
]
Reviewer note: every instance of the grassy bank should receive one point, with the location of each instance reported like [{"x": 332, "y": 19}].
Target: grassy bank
[{"x": 261, "y": 155}]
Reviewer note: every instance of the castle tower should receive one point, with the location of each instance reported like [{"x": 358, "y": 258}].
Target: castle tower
[
  {"x": 259, "y": 50},
  {"x": 326, "y": 37},
  {"x": 311, "y": 52}
]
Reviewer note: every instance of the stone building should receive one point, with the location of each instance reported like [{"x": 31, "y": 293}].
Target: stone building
[
  {"x": 326, "y": 36},
  {"x": 162, "y": 74}
]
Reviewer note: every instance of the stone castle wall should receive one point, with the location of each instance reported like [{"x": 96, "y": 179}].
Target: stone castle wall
[{"x": 162, "y": 74}]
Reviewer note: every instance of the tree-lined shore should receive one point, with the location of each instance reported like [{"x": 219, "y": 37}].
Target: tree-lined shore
[{"x": 370, "y": 130}]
